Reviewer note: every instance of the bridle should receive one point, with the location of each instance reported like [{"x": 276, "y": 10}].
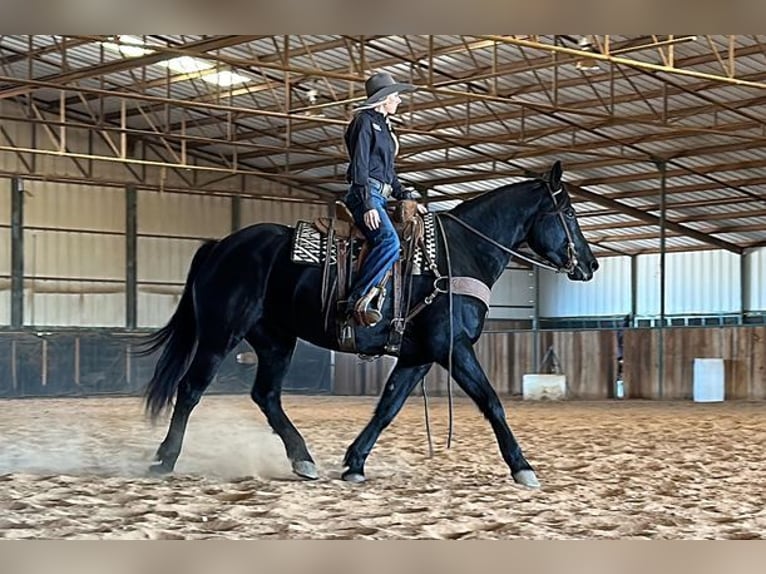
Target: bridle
[{"x": 533, "y": 258}]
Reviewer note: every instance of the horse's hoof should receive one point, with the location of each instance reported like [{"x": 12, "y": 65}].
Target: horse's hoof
[
  {"x": 526, "y": 478},
  {"x": 159, "y": 469},
  {"x": 355, "y": 477},
  {"x": 305, "y": 469}
]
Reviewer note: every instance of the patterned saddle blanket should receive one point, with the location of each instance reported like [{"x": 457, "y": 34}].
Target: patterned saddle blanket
[{"x": 310, "y": 246}]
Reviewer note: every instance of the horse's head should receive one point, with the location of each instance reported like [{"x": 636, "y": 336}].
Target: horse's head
[{"x": 555, "y": 234}]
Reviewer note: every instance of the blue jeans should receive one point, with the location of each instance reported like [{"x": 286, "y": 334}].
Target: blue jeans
[{"x": 383, "y": 242}]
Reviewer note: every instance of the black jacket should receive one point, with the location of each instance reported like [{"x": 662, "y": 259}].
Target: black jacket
[{"x": 371, "y": 149}]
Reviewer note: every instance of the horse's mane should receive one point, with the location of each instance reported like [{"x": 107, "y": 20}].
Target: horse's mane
[{"x": 489, "y": 194}]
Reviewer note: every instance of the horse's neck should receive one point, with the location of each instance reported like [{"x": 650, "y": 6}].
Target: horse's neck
[{"x": 504, "y": 216}]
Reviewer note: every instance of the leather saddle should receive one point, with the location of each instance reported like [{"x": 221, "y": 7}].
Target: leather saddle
[
  {"x": 404, "y": 216},
  {"x": 342, "y": 231}
]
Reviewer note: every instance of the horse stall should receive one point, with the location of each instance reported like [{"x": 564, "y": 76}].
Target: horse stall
[{"x": 625, "y": 275}]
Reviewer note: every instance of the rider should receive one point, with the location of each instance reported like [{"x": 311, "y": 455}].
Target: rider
[{"x": 372, "y": 146}]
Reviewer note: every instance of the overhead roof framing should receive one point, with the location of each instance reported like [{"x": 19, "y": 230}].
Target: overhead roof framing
[{"x": 489, "y": 110}]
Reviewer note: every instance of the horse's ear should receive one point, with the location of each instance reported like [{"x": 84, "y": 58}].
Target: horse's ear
[{"x": 555, "y": 176}]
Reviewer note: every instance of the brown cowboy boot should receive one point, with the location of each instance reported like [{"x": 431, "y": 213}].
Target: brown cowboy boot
[{"x": 364, "y": 313}]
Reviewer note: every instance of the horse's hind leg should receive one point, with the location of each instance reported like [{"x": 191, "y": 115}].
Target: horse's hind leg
[
  {"x": 399, "y": 385},
  {"x": 201, "y": 371},
  {"x": 274, "y": 355}
]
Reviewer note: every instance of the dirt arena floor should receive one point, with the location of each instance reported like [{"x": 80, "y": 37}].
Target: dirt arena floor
[{"x": 75, "y": 468}]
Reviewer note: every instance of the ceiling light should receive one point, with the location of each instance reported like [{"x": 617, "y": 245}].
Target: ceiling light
[
  {"x": 133, "y": 46},
  {"x": 587, "y": 64},
  {"x": 226, "y": 78},
  {"x": 186, "y": 64}
]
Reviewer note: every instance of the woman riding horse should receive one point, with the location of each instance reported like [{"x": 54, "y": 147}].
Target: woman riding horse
[{"x": 372, "y": 147}]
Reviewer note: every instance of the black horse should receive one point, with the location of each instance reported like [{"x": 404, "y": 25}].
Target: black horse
[{"x": 245, "y": 286}]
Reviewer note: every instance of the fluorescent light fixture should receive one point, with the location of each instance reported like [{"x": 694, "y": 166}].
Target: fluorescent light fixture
[
  {"x": 587, "y": 64},
  {"x": 186, "y": 64},
  {"x": 226, "y": 78},
  {"x": 133, "y": 46}
]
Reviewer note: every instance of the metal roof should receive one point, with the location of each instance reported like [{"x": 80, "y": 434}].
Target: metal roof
[{"x": 489, "y": 109}]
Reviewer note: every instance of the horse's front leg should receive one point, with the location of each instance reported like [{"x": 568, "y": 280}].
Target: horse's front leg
[
  {"x": 470, "y": 376},
  {"x": 400, "y": 383}
]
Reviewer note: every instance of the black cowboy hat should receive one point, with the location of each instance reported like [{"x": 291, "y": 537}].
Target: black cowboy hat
[{"x": 380, "y": 86}]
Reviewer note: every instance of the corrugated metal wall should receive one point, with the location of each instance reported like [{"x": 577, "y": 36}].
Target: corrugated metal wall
[
  {"x": 513, "y": 296},
  {"x": 255, "y": 211},
  {"x": 755, "y": 280},
  {"x": 74, "y": 255},
  {"x": 75, "y": 249},
  {"x": 607, "y": 294},
  {"x": 5, "y": 251},
  {"x": 696, "y": 282},
  {"x": 171, "y": 227},
  {"x": 194, "y": 216}
]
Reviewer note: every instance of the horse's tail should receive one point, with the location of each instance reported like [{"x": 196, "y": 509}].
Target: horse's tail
[{"x": 179, "y": 337}]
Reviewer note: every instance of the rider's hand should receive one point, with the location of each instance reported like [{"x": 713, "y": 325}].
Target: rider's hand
[
  {"x": 372, "y": 219},
  {"x": 422, "y": 208}
]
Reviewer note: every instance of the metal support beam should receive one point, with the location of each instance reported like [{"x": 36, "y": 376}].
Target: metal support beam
[
  {"x": 536, "y": 317},
  {"x": 633, "y": 286},
  {"x": 661, "y": 347},
  {"x": 131, "y": 245},
  {"x": 236, "y": 212},
  {"x": 17, "y": 253},
  {"x": 628, "y": 61},
  {"x": 743, "y": 288}
]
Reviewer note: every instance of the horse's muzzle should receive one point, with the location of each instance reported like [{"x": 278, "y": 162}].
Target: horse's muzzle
[{"x": 584, "y": 271}]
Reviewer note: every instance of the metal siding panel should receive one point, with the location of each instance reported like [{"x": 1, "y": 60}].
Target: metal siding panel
[
  {"x": 647, "y": 285},
  {"x": 67, "y": 256},
  {"x": 256, "y": 211},
  {"x": 607, "y": 294},
  {"x": 72, "y": 206},
  {"x": 164, "y": 260},
  {"x": 156, "y": 306},
  {"x": 5, "y": 273},
  {"x": 514, "y": 289},
  {"x": 5, "y": 201},
  {"x": 183, "y": 214},
  {"x": 5, "y": 252},
  {"x": 755, "y": 280},
  {"x": 73, "y": 303},
  {"x": 5, "y": 302},
  {"x": 703, "y": 282},
  {"x": 73, "y": 255},
  {"x": 696, "y": 282}
]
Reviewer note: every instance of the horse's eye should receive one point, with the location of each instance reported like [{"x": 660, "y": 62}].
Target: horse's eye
[{"x": 570, "y": 213}]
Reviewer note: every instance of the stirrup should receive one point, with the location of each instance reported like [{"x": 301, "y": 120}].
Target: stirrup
[
  {"x": 364, "y": 313},
  {"x": 344, "y": 325}
]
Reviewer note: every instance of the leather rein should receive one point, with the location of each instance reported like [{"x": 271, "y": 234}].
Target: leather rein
[{"x": 571, "y": 262}]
